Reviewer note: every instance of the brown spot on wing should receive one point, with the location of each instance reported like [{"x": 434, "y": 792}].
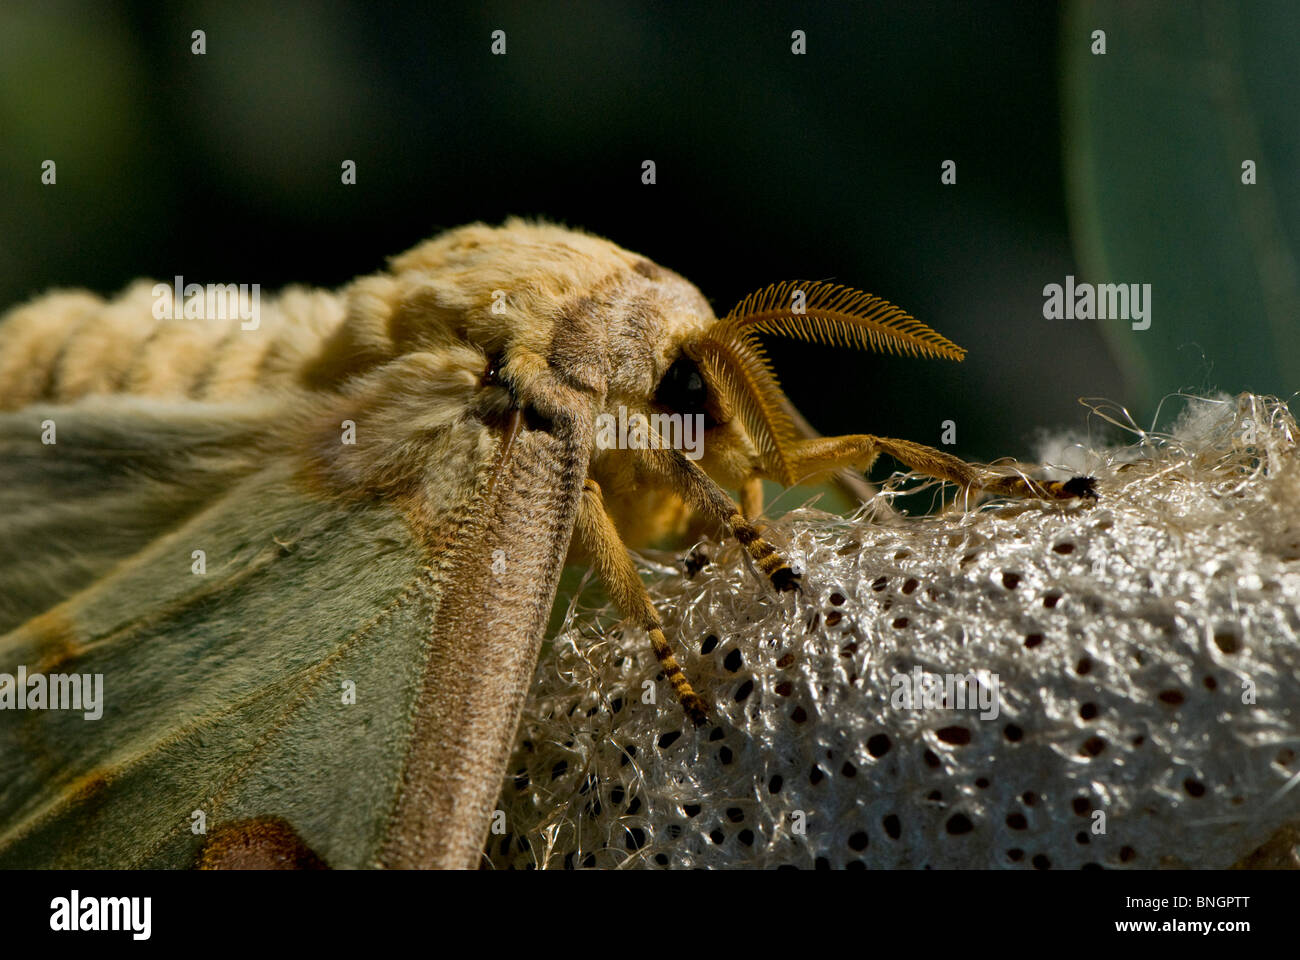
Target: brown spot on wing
[
  {"x": 54, "y": 638},
  {"x": 262, "y": 843},
  {"x": 89, "y": 789}
]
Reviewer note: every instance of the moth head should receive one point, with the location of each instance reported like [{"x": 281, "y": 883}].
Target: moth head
[
  {"x": 724, "y": 373},
  {"x": 542, "y": 319}
]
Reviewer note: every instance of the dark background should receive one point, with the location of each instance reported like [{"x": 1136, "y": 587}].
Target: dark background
[{"x": 226, "y": 167}]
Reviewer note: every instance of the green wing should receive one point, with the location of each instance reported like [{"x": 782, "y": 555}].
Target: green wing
[{"x": 225, "y": 692}]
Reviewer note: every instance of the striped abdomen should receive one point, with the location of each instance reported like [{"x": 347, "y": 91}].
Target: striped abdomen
[{"x": 68, "y": 345}]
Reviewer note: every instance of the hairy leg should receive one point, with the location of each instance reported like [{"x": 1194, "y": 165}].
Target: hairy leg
[
  {"x": 751, "y": 498},
  {"x": 825, "y": 454},
  {"x": 618, "y": 573},
  {"x": 698, "y": 489}
]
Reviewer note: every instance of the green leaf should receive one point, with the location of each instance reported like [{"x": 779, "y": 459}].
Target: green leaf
[{"x": 1155, "y": 134}]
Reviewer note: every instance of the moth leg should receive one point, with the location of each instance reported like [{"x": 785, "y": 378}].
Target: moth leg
[
  {"x": 619, "y": 575},
  {"x": 699, "y": 490},
  {"x": 751, "y": 498},
  {"x": 811, "y": 457}
]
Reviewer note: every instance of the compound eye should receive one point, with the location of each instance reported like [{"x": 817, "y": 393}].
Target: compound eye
[
  {"x": 491, "y": 376},
  {"x": 682, "y": 389}
]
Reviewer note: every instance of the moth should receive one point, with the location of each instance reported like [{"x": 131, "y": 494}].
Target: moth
[{"x": 312, "y": 558}]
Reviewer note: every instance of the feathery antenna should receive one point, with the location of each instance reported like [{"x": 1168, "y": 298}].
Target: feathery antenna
[{"x": 839, "y": 316}]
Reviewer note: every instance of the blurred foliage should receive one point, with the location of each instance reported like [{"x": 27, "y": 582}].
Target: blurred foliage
[{"x": 1157, "y": 130}]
